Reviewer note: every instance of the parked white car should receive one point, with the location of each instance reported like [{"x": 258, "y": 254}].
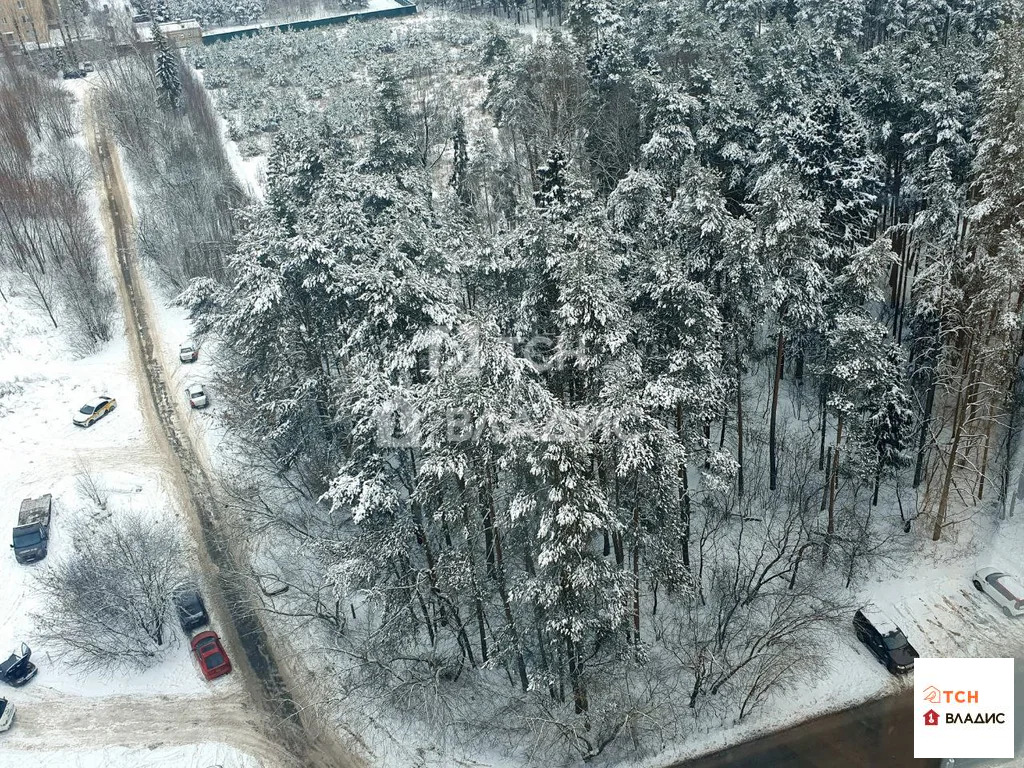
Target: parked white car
[
  {"x": 188, "y": 352},
  {"x": 1005, "y": 590},
  {"x": 197, "y": 396},
  {"x": 6, "y": 714},
  {"x": 94, "y": 410}
]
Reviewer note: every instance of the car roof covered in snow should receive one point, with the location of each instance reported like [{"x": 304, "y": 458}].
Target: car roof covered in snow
[
  {"x": 879, "y": 620},
  {"x": 1007, "y": 585},
  {"x": 195, "y": 388}
]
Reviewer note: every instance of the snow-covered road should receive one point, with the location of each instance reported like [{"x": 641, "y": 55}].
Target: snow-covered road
[{"x": 280, "y": 713}]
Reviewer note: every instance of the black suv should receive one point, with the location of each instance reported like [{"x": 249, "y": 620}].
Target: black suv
[
  {"x": 18, "y": 669},
  {"x": 191, "y": 611},
  {"x": 884, "y": 639}
]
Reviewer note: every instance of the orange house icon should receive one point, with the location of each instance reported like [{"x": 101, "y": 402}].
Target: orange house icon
[{"x": 931, "y": 717}]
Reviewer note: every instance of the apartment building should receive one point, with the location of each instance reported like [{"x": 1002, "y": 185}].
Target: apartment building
[{"x": 25, "y": 21}]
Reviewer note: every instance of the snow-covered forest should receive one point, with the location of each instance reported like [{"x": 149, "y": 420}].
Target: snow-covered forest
[{"x": 583, "y": 377}]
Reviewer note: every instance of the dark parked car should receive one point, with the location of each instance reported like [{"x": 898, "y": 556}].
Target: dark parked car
[
  {"x": 74, "y": 72},
  {"x": 213, "y": 659},
  {"x": 18, "y": 669},
  {"x": 191, "y": 611},
  {"x": 884, "y": 639},
  {"x": 32, "y": 533}
]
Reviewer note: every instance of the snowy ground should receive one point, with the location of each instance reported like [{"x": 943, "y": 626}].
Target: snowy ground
[
  {"x": 43, "y": 452},
  {"x": 202, "y": 756},
  {"x": 174, "y": 327},
  {"x": 44, "y": 380}
]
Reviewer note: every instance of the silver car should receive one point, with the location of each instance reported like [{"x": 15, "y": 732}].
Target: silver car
[
  {"x": 188, "y": 352},
  {"x": 1005, "y": 590},
  {"x": 197, "y": 396}
]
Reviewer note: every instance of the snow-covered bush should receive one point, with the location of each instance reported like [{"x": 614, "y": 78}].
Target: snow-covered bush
[{"x": 108, "y": 600}]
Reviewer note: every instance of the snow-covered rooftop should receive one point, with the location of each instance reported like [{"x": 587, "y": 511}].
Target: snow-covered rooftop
[
  {"x": 178, "y": 26},
  {"x": 144, "y": 29},
  {"x": 879, "y": 620}
]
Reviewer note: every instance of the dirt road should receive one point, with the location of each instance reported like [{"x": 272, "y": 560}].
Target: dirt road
[
  {"x": 282, "y": 715},
  {"x": 59, "y": 722}
]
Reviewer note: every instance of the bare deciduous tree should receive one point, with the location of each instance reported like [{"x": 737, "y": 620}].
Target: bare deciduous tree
[
  {"x": 90, "y": 486},
  {"x": 108, "y": 601}
]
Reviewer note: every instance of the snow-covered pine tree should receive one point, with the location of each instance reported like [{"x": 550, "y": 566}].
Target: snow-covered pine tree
[
  {"x": 887, "y": 415},
  {"x": 168, "y": 75},
  {"x": 391, "y": 148},
  {"x": 999, "y": 214},
  {"x": 795, "y": 254},
  {"x": 459, "y": 180}
]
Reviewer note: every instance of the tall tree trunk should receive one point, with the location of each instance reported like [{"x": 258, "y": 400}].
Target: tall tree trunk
[
  {"x": 683, "y": 491},
  {"x": 923, "y": 440},
  {"x": 773, "y": 471},
  {"x": 636, "y": 574},
  {"x": 823, "y": 404},
  {"x": 513, "y": 629},
  {"x": 984, "y": 456},
  {"x": 739, "y": 422},
  {"x": 827, "y": 485},
  {"x": 833, "y": 485},
  {"x": 499, "y": 571},
  {"x": 959, "y": 415},
  {"x": 473, "y": 583},
  {"x": 538, "y": 625},
  {"x": 579, "y": 688}
]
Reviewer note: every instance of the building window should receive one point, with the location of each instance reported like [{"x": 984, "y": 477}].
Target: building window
[{"x": 21, "y": 5}]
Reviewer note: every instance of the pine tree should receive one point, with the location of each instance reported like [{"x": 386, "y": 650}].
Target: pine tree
[
  {"x": 391, "y": 148},
  {"x": 459, "y": 181},
  {"x": 169, "y": 89},
  {"x": 553, "y": 195},
  {"x": 888, "y": 417},
  {"x": 61, "y": 59}
]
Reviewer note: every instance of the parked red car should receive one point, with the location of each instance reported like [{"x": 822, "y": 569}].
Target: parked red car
[{"x": 213, "y": 659}]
